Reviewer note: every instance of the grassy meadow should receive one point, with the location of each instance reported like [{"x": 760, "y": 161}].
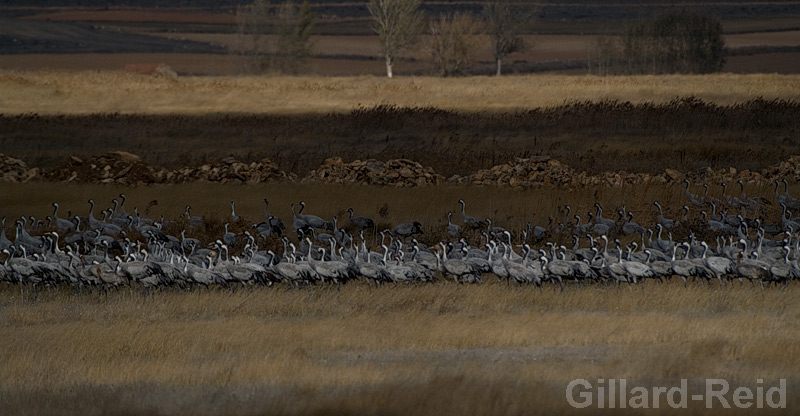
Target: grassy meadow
[{"x": 432, "y": 349}]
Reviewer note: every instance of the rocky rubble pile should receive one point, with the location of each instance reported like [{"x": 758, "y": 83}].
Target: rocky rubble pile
[
  {"x": 395, "y": 172},
  {"x": 789, "y": 170},
  {"x": 229, "y": 170},
  {"x": 128, "y": 169},
  {"x": 542, "y": 171},
  {"x": 15, "y": 170},
  {"x": 113, "y": 167}
]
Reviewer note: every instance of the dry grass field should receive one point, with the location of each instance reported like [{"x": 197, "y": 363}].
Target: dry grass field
[
  {"x": 440, "y": 348},
  {"x": 84, "y": 92},
  {"x": 430, "y": 349}
]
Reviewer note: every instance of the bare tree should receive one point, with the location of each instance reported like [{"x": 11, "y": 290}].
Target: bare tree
[
  {"x": 453, "y": 43},
  {"x": 398, "y": 24},
  {"x": 250, "y": 49},
  {"x": 273, "y": 38},
  {"x": 602, "y": 53},
  {"x": 505, "y": 24},
  {"x": 293, "y": 44}
]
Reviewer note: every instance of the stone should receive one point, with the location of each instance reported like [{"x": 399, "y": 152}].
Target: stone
[{"x": 125, "y": 156}]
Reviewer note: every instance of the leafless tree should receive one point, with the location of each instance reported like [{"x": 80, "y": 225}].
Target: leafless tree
[
  {"x": 250, "y": 48},
  {"x": 453, "y": 42},
  {"x": 505, "y": 23},
  {"x": 398, "y": 24},
  {"x": 293, "y": 45},
  {"x": 273, "y": 38}
]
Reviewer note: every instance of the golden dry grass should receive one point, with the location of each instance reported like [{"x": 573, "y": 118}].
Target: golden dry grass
[
  {"x": 441, "y": 348},
  {"x": 64, "y": 92}
]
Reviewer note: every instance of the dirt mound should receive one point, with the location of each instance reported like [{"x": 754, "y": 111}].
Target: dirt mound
[
  {"x": 15, "y": 170},
  {"x": 395, "y": 172}
]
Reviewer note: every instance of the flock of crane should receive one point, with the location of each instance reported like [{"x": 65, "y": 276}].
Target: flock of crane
[{"x": 88, "y": 253}]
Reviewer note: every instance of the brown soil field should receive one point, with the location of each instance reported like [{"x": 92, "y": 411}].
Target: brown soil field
[
  {"x": 216, "y": 64},
  {"x": 136, "y": 16}
]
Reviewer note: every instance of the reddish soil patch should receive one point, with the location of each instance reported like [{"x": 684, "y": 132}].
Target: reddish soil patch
[{"x": 136, "y": 16}]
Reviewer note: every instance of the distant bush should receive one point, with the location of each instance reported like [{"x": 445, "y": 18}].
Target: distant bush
[{"x": 678, "y": 42}]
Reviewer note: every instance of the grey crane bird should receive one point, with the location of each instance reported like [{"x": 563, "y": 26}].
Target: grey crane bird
[
  {"x": 63, "y": 225},
  {"x": 753, "y": 270},
  {"x": 695, "y": 199},
  {"x": 470, "y": 222},
  {"x": 664, "y": 221},
  {"x": 460, "y": 270},
  {"x": 234, "y": 217},
  {"x": 720, "y": 266},
  {"x": 358, "y": 222},
  {"x": 453, "y": 230},
  {"x": 408, "y": 229},
  {"x": 228, "y": 237},
  {"x": 313, "y": 220}
]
